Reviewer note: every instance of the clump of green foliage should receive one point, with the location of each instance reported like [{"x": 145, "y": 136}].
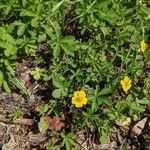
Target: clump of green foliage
[
  {"x": 15, "y": 113},
  {"x": 93, "y": 45}
]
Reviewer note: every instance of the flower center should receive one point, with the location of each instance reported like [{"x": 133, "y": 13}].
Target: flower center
[
  {"x": 78, "y": 99},
  {"x": 126, "y": 84}
]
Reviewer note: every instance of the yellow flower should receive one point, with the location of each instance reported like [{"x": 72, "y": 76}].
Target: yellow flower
[
  {"x": 124, "y": 122},
  {"x": 144, "y": 46},
  {"x": 79, "y": 99},
  {"x": 126, "y": 84}
]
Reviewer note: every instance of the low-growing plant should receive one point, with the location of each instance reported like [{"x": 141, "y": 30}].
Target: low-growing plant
[
  {"x": 96, "y": 64},
  {"x": 52, "y": 146},
  {"x": 15, "y": 113},
  {"x": 37, "y": 73},
  {"x": 68, "y": 141}
]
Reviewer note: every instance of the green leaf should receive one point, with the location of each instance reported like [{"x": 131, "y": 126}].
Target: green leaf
[
  {"x": 73, "y": 142},
  {"x": 27, "y": 13},
  {"x": 51, "y": 145},
  {"x": 68, "y": 44},
  {"x": 105, "y": 30},
  {"x": 21, "y": 29},
  {"x": 94, "y": 105},
  {"x": 57, "y": 82},
  {"x": 42, "y": 125},
  {"x": 47, "y": 77},
  {"x": 8, "y": 66},
  {"x": 3, "y": 44},
  {"x": 37, "y": 76},
  {"x": 35, "y": 22},
  {"x": 68, "y": 145},
  {"x": 57, "y": 6},
  {"x": 144, "y": 101},
  {"x": 16, "y": 113},
  {"x": 62, "y": 134},
  {"x": 43, "y": 108},
  {"x": 68, "y": 39},
  {"x": 1, "y": 78},
  {"x": 10, "y": 28},
  {"x": 8, "y": 38},
  {"x": 8, "y": 9},
  {"x": 56, "y": 50},
  {"x": 39, "y": 9},
  {"x": 20, "y": 85},
  {"x": 67, "y": 49},
  {"x": 57, "y": 93},
  {"x": 10, "y": 50},
  {"x": 104, "y": 137},
  {"x": 105, "y": 91},
  {"x": 48, "y": 30},
  {"x": 136, "y": 108},
  {"x": 42, "y": 37},
  {"x": 105, "y": 100},
  {"x": 6, "y": 86},
  {"x": 24, "y": 3},
  {"x": 84, "y": 46}
]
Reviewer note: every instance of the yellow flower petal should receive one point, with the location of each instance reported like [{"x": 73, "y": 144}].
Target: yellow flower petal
[
  {"x": 84, "y": 101},
  {"x": 76, "y": 93},
  {"x": 144, "y": 46},
  {"x": 127, "y": 79},
  {"x": 73, "y": 100},
  {"x": 121, "y": 82},
  {"x": 82, "y": 93},
  {"x": 78, "y": 105}
]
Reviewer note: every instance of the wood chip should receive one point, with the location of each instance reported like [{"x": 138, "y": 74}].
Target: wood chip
[
  {"x": 137, "y": 129},
  {"x": 21, "y": 121}
]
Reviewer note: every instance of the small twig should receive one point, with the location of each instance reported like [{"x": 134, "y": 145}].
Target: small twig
[
  {"x": 85, "y": 143},
  {"x": 21, "y": 121}
]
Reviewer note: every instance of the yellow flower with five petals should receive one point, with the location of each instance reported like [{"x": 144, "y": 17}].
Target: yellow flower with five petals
[
  {"x": 79, "y": 99},
  {"x": 126, "y": 84}
]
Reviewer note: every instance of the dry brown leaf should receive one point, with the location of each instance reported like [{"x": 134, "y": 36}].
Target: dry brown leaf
[
  {"x": 137, "y": 129},
  {"x": 56, "y": 123}
]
